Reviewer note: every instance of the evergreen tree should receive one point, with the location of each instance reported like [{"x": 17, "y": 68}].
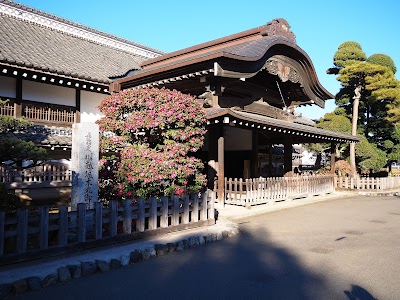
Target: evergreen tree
[{"x": 370, "y": 93}]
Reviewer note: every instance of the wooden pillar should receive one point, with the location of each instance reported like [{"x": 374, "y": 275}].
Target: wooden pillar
[
  {"x": 221, "y": 167},
  {"x": 333, "y": 158},
  {"x": 254, "y": 170},
  {"x": 212, "y": 155},
  {"x": 287, "y": 158},
  {"x": 77, "y": 106},
  {"x": 18, "y": 98},
  {"x": 270, "y": 160}
]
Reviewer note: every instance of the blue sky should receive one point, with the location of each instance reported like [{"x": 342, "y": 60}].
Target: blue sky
[{"x": 320, "y": 26}]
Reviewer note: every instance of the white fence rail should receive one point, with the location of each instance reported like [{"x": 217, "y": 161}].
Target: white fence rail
[
  {"x": 274, "y": 189},
  {"x": 367, "y": 183}
]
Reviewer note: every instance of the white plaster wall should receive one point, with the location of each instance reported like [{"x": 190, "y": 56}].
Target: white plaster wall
[
  {"x": 42, "y": 92},
  {"x": 89, "y": 103},
  {"x": 237, "y": 139},
  {"x": 7, "y": 87}
]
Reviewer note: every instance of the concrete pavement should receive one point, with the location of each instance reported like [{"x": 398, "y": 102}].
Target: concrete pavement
[{"x": 44, "y": 267}]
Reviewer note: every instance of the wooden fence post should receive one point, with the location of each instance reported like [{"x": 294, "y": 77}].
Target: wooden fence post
[
  {"x": 211, "y": 211},
  {"x": 113, "y": 218},
  {"x": 195, "y": 208},
  {"x": 44, "y": 227},
  {"x": 153, "y": 214},
  {"x": 175, "y": 210},
  {"x": 81, "y": 228},
  {"x": 235, "y": 190},
  {"x": 62, "y": 225},
  {"x": 140, "y": 226},
  {"x": 242, "y": 201},
  {"x": 98, "y": 220},
  {"x": 203, "y": 212},
  {"x": 127, "y": 224},
  {"x": 22, "y": 230},
  {"x": 164, "y": 215},
  {"x": 185, "y": 218}
]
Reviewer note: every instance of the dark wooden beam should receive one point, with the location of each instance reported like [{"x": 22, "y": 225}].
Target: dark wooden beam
[
  {"x": 18, "y": 98},
  {"x": 270, "y": 160},
  {"x": 254, "y": 170},
  {"x": 212, "y": 155},
  {"x": 221, "y": 167},
  {"x": 333, "y": 157},
  {"x": 288, "y": 153},
  {"x": 77, "y": 106}
]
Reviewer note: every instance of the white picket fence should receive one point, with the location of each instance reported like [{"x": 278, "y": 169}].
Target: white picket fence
[
  {"x": 367, "y": 183},
  {"x": 274, "y": 189}
]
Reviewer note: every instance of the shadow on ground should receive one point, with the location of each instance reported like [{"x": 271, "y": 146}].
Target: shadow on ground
[
  {"x": 358, "y": 293},
  {"x": 247, "y": 266}
]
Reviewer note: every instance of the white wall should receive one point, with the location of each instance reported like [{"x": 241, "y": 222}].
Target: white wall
[
  {"x": 237, "y": 139},
  {"x": 42, "y": 92},
  {"x": 89, "y": 103},
  {"x": 7, "y": 87}
]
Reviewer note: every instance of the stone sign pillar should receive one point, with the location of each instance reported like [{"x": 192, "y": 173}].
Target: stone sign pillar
[{"x": 84, "y": 167}]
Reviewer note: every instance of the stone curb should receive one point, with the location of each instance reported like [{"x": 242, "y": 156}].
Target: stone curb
[
  {"x": 87, "y": 268},
  {"x": 377, "y": 194}
]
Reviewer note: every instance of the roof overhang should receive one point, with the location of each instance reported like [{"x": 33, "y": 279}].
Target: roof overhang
[
  {"x": 298, "y": 133},
  {"x": 241, "y": 56}
]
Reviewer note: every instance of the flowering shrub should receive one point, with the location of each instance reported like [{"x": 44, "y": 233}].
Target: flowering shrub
[{"x": 154, "y": 131}]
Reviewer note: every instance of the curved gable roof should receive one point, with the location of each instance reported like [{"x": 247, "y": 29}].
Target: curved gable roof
[{"x": 241, "y": 55}]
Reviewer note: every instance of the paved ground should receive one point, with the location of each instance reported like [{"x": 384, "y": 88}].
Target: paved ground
[{"x": 339, "y": 249}]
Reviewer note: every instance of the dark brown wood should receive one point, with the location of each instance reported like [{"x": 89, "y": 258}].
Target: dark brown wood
[
  {"x": 270, "y": 160},
  {"x": 89, "y": 245},
  {"x": 18, "y": 98},
  {"x": 263, "y": 108},
  {"x": 98, "y": 220},
  {"x": 164, "y": 212},
  {"x": 44, "y": 227},
  {"x": 113, "y": 218},
  {"x": 288, "y": 153},
  {"x": 140, "y": 216},
  {"x": 333, "y": 158},
  {"x": 81, "y": 228},
  {"x": 221, "y": 167},
  {"x": 77, "y": 106},
  {"x": 63, "y": 225},
  {"x": 212, "y": 155},
  {"x": 175, "y": 211},
  {"x": 186, "y": 212},
  {"x": 254, "y": 155},
  {"x": 22, "y": 230},
  {"x": 153, "y": 213}
]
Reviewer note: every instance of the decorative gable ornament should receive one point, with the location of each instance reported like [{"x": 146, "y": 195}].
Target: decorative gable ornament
[
  {"x": 278, "y": 27},
  {"x": 285, "y": 73}
]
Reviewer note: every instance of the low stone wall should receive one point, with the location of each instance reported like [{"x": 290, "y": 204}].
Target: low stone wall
[{"x": 26, "y": 281}]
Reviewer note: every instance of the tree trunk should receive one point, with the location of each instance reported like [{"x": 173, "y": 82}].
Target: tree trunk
[{"x": 356, "y": 102}]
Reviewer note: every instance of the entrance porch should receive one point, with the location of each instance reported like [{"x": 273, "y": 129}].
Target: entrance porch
[{"x": 242, "y": 167}]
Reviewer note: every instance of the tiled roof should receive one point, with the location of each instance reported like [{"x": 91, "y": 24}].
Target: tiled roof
[{"x": 64, "y": 47}]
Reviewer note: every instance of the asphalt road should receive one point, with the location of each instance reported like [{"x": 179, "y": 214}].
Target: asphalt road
[{"x": 340, "y": 249}]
